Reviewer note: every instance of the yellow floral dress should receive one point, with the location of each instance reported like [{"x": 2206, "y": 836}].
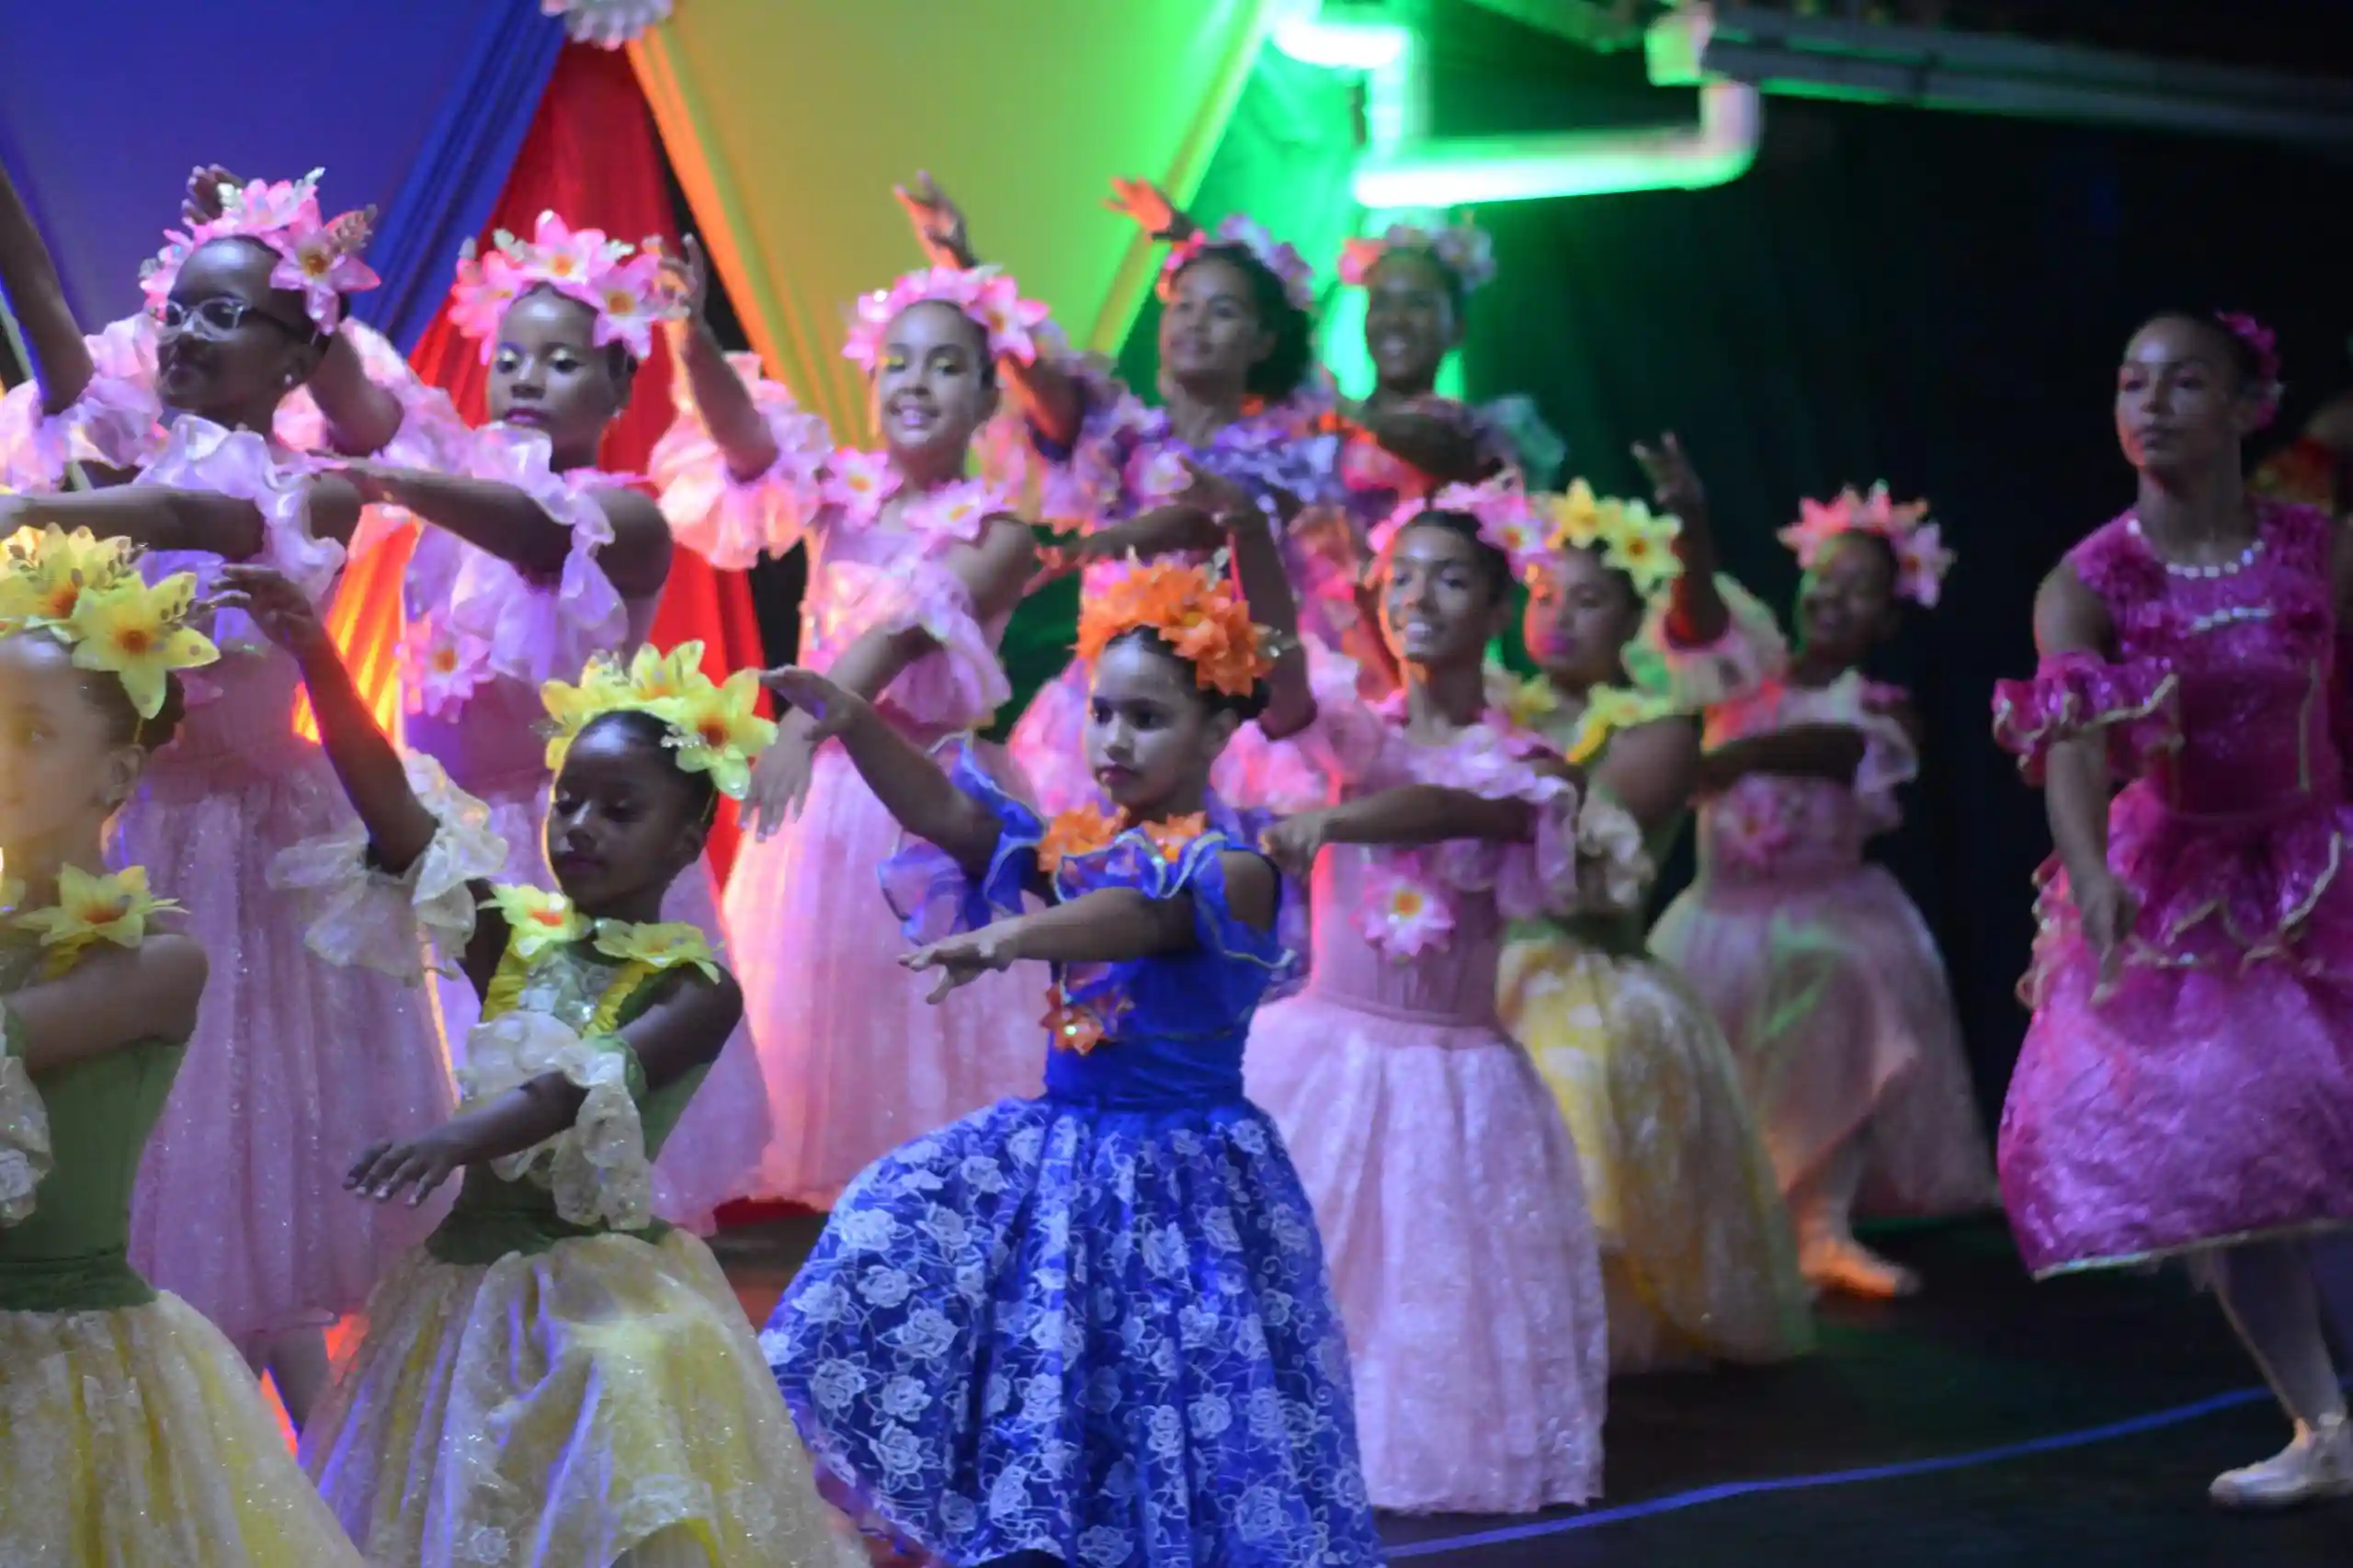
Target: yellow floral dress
[
  {"x": 557, "y": 1380},
  {"x": 131, "y": 1434},
  {"x": 1698, "y": 1259}
]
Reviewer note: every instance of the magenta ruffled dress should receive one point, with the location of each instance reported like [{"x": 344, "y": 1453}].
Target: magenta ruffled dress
[
  {"x": 1444, "y": 1180},
  {"x": 2206, "y": 1096},
  {"x": 854, "y": 1062},
  {"x": 1821, "y": 972},
  {"x": 1127, "y": 461}
]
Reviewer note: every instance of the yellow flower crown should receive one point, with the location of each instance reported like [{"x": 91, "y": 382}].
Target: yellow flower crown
[
  {"x": 714, "y": 728},
  {"x": 1630, "y": 537},
  {"x": 87, "y": 593}
]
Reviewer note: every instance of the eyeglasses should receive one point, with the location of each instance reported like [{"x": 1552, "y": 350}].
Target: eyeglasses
[{"x": 217, "y": 317}]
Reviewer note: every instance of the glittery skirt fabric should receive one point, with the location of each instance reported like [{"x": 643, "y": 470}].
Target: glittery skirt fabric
[
  {"x": 1833, "y": 996},
  {"x": 137, "y": 1438},
  {"x": 296, "y": 1066},
  {"x": 1697, "y": 1253},
  {"x": 709, "y": 1157},
  {"x": 1100, "y": 1334},
  {"x": 1462, "y": 1250},
  {"x": 2206, "y": 1095},
  {"x": 558, "y": 1409},
  {"x": 855, "y": 1060}
]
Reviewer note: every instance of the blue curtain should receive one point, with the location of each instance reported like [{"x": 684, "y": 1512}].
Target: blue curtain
[{"x": 415, "y": 108}]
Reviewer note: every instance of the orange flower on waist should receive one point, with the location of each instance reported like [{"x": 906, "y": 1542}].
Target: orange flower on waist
[
  {"x": 1197, "y": 615},
  {"x": 1072, "y": 1027}
]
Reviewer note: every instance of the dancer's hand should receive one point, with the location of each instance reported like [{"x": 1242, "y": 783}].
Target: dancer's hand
[
  {"x": 1227, "y": 504},
  {"x": 938, "y": 221},
  {"x": 1055, "y": 561},
  {"x": 283, "y": 612},
  {"x": 1149, "y": 207},
  {"x": 961, "y": 959},
  {"x": 422, "y": 1163},
  {"x": 1674, "y": 483},
  {"x": 353, "y": 231},
  {"x": 780, "y": 778},
  {"x": 1295, "y": 841},
  {"x": 2107, "y": 909},
  {"x": 827, "y": 709},
  {"x": 375, "y": 481},
  {"x": 685, "y": 277},
  {"x": 203, "y": 202}
]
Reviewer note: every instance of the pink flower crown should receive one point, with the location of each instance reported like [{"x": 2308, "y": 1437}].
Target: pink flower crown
[
  {"x": 1247, "y": 235},
  {"x": 624, "y": 284},
  {"x": 2264, "y": 344},
  {"x": 988, "y": 298},
  {"x": 1500, "y": 506},
  {"x": 1462, "y": 248},
  {"x": 1921, "y": 559},
  {"x": 316, "y": 257}
]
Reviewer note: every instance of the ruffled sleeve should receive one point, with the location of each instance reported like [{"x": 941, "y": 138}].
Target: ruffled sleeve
[
  {"x": 728, "y": 521},
  {"x": 200, "y": 455},
  {"x": 955, "y": 684},
  {"x": 115, "y": 422},
  {"x": 1082, "y": 482},
  {"x": 933, "y": 896},
  {"x": 367, "y": 917},
  {"x": 1248, "y": 963},
  {"x": 537, "y": 630},
  {"x": 1499, "y": 763},
  {"x": 1613, "y": 863},
  {"x": 25, "y": 1155},
  {"x": 2133, "y": 703},
  {"x": 431, "y": 434},
  {"x": 1750, "y": 652},
  {"x": 597, "y": 1168}
]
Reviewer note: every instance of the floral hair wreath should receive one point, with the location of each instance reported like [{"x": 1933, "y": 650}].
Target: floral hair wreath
[
  {"x": 1921, "y": 557},
  {"x": 1500, "y": 506},
  {"x": 987, "y": 296},
  {"x": 1462, "y": 248},
  {"x": 1627, "y": 534},
  {"x": 622, "y": 283},
  {"x": 714, "y": 728},
  {"x": 87, "y": 593},
  {"x": 1196, "y": 614},
  {"x": 2264, "y": 344},
  {"x": 1236, "y": 231},
  {"x": 317, "y": 258}
]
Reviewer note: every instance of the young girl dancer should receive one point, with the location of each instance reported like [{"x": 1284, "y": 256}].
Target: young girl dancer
[
  {"x": 239, "y": 1207},
  {"x": 1819, "y": 968},
  {"x": 557, "y": 1376},
  {"x": 1092, "y": 1326},
  {"x": 913, "y": 570},
  {"x": 1445, "y": 1181},
  {"x": 1630, "y": 629},
  {"x": 1234, "y": 356},
  {"x": 2187, "y": 1085},
  {"x": 1405, "y": 441},
  {"x": 134, "y": 1436},
  {"x": 537, "y": 561}
]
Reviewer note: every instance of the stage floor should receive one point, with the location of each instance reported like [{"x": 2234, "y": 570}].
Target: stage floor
[{"x": 1990, "y": 1421}]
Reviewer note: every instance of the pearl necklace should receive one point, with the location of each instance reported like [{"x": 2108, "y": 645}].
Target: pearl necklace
[{"x": 2246, "y": 557}]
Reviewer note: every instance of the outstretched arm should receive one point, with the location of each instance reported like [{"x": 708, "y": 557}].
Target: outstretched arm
[
  {"x": 728, "y": 411},
  {"x": 1411, "y": 814},
  {"x": 28, "y": 276},
  {"x": 1442, "y": 448},
  {"x": 154, "y": 516},
  {"x": 1050, "y": 399},
  {"x": 111, "y": 998},
  {"x": 509, "y": 523},
  {"x": 1800, "y": 751},
  {"x": 684, "y": 1029},
  {"x": 1696, "y": 615}
]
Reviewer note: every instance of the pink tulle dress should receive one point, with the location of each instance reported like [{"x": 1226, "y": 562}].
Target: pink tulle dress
[
  {"x": 1821, "y": 972},
  {"x": 1128, "y": 461},
  {"x": 296, "y": 1065},
  {"x": 1445, "y": 1182},
  {"x": 856, "y": 1062},
  {"x": 2205, "y": 1097}
]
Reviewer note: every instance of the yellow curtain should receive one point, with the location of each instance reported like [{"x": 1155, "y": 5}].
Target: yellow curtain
[{"x": 789, "y": 120}]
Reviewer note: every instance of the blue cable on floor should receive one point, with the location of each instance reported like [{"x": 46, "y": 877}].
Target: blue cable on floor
[{"x": 1679, "y": 1501}]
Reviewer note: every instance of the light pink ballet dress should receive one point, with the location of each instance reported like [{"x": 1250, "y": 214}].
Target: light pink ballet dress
[
  {"x": 855, "y": 1060},
  {"x": 296, "y": 1065},
  {"x": 1445, "y": 1182},
  {"x": 1821, "y": 972}
]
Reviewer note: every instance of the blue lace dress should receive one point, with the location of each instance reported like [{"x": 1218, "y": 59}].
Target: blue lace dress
[{"x": 1096, "y": 1323}]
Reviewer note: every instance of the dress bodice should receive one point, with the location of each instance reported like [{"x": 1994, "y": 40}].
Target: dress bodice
[{"x": 1775, "y": 827}]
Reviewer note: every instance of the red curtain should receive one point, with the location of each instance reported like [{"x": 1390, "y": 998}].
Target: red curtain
[{"x": 591, "y": 155}]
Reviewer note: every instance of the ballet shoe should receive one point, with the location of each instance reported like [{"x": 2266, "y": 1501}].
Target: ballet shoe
[
  {"x": 1844, "y": 1265},
  {"x": 2317, "y": 1465}
]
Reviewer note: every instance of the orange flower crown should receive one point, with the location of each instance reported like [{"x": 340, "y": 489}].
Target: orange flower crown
[{"x": 1197, "y": 615}]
